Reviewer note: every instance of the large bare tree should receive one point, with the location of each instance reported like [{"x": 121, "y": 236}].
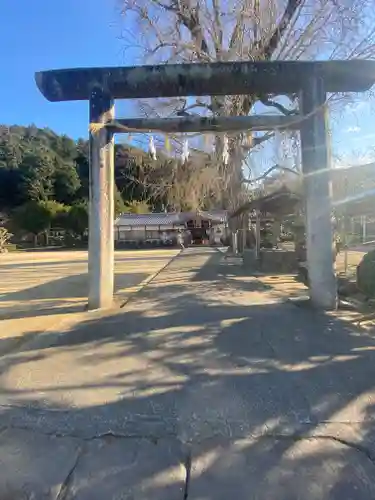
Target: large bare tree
[
  {"x": 185, "y": 186},
  {"x": 177, "y": 31}
]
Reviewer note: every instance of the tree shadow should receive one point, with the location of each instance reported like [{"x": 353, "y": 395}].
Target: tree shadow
[
  {"x": 35, "y": 264},
  {"x": 60, "y": 296}
]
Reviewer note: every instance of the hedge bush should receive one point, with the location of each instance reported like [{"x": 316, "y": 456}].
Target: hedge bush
[{"x": 366, "y": 274}]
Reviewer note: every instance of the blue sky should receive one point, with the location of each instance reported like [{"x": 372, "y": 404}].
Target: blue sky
[{"x": 42, "y": 34}]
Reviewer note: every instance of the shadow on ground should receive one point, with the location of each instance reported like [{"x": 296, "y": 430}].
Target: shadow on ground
[
  {"x": 269, "y": 401},
  {"x": 60, "y": 296}
]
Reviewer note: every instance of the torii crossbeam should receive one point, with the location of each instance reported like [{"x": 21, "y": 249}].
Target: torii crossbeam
[{"x": 311, "y": 80}]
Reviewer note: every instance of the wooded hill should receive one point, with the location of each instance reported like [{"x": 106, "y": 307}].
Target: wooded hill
[{"x": 39, "y": 165}]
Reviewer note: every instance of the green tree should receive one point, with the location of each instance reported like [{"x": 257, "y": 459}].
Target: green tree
[
  {"x": 32, "y": 217},
  {"x": 57, "y": 210},
  {"x": 40, "y": 165},
  {"x": 11, "y": 188},
  {"x": 11, "y": 153},
  {"x": 66, "y": 182},
  {"x": 53, "y": 206},
  {"x": 60, "y": 219},
  {"x": 66, "y": 147},
  {"x": 37, "y": 171},
  {"x": 77, "y": 219},
  {"x": 83, "y": 170}
]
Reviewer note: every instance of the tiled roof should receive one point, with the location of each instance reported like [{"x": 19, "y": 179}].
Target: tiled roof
[
  {"x": 213, "y": 215},
  {"x": 155, "y": 219},
  {"x": 167, "y": 219}
]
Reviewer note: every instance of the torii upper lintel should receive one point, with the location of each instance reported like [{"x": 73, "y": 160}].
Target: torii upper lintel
[{"x": 222, "y": 78}]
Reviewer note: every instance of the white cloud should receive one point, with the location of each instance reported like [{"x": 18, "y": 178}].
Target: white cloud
[
  {"x": 354, "y": 107},
  {"x": 355, "y": 128}
]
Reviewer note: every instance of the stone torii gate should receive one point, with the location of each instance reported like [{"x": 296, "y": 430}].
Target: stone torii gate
[{"x": 310, "y": 80}]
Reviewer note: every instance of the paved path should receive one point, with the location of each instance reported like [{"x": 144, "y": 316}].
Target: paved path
[{"x": 207, "y": 385}]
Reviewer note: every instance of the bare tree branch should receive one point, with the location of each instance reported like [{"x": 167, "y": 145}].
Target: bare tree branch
[
  {"x": 268, "y": 102},
  {"x": 268, "y": 172},
  {"x": 213, "y": 30},
  {"x": 290, "y": 10},
  {"x": 257, "y": 141},
  {"x": 184, "y": 109}
]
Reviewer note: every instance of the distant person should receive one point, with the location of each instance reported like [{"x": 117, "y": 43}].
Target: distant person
[
  {"x": 180, "y": 240},
  {"x": 164, "y": 238}
]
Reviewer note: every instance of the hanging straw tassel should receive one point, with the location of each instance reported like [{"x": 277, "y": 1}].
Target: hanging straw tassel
[
  {"x": 225, "y": 150},
  {"x": 185, "y": 151},
  {"x": 167, "y": 144},
  {"x": 207, "y": 141},
  {"x": 247, "y": 141},
  {"x": 151, "y": 148},
  {"x": 94, "y": 128},
  {"x": 214, "y": 149}
]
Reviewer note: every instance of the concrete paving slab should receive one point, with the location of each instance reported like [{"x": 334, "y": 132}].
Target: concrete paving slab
[
  {"x": 33, "y": 465},
  {"x": 136, "y": 469},
  {"x": 284, "y": 469},
  {"x": 204, "y": 353},
  {"x": 197, "y": 354}
]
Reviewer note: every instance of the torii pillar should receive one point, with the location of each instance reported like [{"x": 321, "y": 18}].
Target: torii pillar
[
  {"x": 316, "y": 168},
  {"x": 312, "y": 80},
  {"x": 101, "y": 203}
]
